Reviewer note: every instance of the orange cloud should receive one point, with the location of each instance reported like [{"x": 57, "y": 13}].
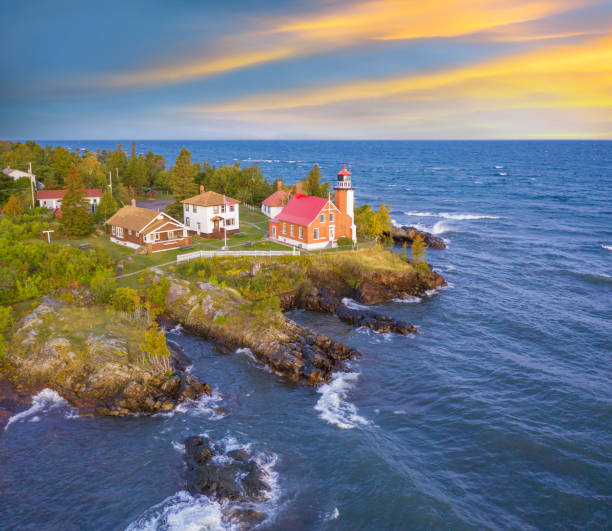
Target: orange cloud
[{"x": 578, "y": 75}]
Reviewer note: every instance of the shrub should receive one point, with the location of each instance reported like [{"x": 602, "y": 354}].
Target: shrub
[
  {"x": 125, "y": 299},
  {"x": 103, "y": 286},
  {"x": 344, "y": 241}
]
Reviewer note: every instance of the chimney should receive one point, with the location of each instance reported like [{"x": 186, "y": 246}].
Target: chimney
[
  {"x": 201, "y": 188},
  {"x": 279, "y": 185},
  {"x": 298, "y": 188},
  {"x": 133, "y": 202}
]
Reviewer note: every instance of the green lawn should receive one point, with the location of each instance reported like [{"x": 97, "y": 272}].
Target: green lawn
[{"x": 117, "y": 252}]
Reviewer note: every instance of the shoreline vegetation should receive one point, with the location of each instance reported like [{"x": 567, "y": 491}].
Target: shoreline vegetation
[{"x": 68, "y": 323}]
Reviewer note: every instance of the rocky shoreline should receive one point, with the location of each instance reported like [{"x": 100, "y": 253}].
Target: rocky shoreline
[{"x": 407, "y": 234}]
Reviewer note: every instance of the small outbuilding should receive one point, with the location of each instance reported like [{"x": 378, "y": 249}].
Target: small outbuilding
[{"x": 271, "y": 206}]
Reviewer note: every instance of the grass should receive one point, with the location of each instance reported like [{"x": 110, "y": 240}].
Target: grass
[{"x": 117, "y": 252}]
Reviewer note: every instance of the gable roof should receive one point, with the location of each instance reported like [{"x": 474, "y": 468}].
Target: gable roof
[
  {"x": 168, "y": 224},
  {"x": 302, "y": 209},
  {"x": 59, "y": 194},
  {"x": 209, "y": 199},
  {"x": 133, "y": 217},
  {"x": 277, "y": 199},
  {"x": 16, "y": 174}
]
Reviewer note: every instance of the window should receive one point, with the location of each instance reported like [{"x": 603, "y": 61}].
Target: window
[
  {"x": 130, "y": 232},
  {"x": 186, "y": 208},
  {"x": 229, "y": 221},
  {"x": 215, "y": 210},
  {"x": 322, "y": 218},
  {"x": 195, "y": 208},
  {"x": 113, "y": 230},
  {"x": 198, "y": 227},
  {"x": 232, "y": 208},
  {"x": 292, "y": 230},
  {"x": 284, "y": 228},
  {"x": 187, "y": 222},
  {"x": 316, "y": 234},
  {"x": 120, "y": 232},
  {"x": 331, "y": 217},
  {"x": 156, "y": 236},
  {"x": 138, "y": 234},
  {"x": 301, "y": 233},
  {"x": 222, "y": 209}
]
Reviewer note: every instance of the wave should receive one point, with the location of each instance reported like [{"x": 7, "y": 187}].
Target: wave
[
  {"x": 183, "y": 510},
  {"x": 333, "y": 405},
  {"x": 450, "y": 215},
  {"x": 409, "y": 300},
  {"x": 592, "y": 277},
  {"x": 608, "y": 247},
  {"x": 440, "y": 227},
  {"x": 502, "y": 174},
  {"x": 206, "y": 405},
  {"x": 498, "y": 167},
  {"x": 42, "y": 402},
  {"x": 354, "y": 305}
]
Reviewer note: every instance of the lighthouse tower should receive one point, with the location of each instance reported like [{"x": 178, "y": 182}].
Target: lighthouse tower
[{"x": 344, "y": 198}]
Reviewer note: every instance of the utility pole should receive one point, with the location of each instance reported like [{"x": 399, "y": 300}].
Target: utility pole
[
  {"x": 110, "y": 175},
  {"x": 31, "y": 183}
]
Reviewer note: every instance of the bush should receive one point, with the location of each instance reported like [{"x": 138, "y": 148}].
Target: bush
[
  {"x": 125, "y": 299},
  {"x": 343, "y": 242},
  {"x": 103, "y": 285}
]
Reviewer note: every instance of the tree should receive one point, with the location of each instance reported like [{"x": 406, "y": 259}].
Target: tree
[
  {"x": 182, "y": 178},
  {"x": 419, "y": 254},
  {"x": 370, "y": 223},
  {"x": 135, "y": 175},
  {"x": 13, "y": 207},
  {"x": 76, "y": 218},
  {"x": 312, "y": 185},
  {"x": 61, "y": 160},
  {"x": 108, "y": 205}
]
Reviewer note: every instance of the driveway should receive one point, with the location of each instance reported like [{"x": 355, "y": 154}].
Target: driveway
[{"x": 154, "y": 204}]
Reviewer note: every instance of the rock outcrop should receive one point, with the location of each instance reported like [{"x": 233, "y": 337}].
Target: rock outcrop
[
  {"x": 295, "y": 352},
  {"x": 323, "y": 300},
  {"x": 91, "y": 358},
  {"x": 407, "y": 235}
]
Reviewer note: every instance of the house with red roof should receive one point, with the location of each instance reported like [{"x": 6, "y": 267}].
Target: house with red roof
[
  {"x": 272, "y": 205},
  {"x": 316, "y": 222},
  {"x": 52, "y": 199}
]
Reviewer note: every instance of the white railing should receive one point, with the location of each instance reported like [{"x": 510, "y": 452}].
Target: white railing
[{"x": 209, "y": 254}]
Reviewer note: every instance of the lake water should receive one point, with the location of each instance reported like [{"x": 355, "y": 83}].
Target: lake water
[{"x": 497, "y": 414}]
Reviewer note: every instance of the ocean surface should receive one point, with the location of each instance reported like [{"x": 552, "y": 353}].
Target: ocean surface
[{"x": 496, "y": 415}]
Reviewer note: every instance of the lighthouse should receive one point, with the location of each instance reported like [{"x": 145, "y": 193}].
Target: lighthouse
[{"x": 344, "y": 198}]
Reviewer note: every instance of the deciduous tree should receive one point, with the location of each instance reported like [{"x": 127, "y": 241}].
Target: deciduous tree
[{"x": 13, "y": 207}]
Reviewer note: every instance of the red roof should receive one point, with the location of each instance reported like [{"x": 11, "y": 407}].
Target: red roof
[
  {"x": 302, "y": 209},
  {"x": 344, "y": 171},
  {"x": 277, "y": 199},
  {"x": 59, "y": 194}
]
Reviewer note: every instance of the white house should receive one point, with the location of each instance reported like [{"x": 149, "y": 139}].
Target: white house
[
  {"x": 52, "y": 199},
  {"x": 18, "y": 174},
  {"x": 272, "y": 205},
  {"x": 211, "y": 215}
]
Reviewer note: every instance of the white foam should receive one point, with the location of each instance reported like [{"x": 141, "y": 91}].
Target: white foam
[
  {"x": 608, "y": 247},
  {"x": 42, "y": 402},
  {"x": 498, "y": 167},
  {"x": 178, "y": 330},
  {"x": 502, "y": 174},
  {"x": 440, "y": 227},
  {"x": 183, "y": 512},
  {"x": 206, "y": 406},
  {"x": 411, "y": 299},
  {"x": 335, "y": 514},
  {"x": 353, "y": 304},
  {"x": 333, "y": 405},
  {"x": 450, "y": 215},
  {"x": 179, "y": 447}
]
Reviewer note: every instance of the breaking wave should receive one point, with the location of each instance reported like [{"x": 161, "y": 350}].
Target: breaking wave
[
  {"x": 608, "y": 247},
  {"x": 449, "y": 215},
  {"x": 353, "y": 304},
  {"x": 333, "y": 406},
  {"x": 411, "y": 299},
  {"x": 42, "y": 402}
]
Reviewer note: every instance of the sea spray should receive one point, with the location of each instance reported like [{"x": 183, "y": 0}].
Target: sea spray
[
  {"x": 333, "y": 405},
  {"x": 42, "y": 402}
]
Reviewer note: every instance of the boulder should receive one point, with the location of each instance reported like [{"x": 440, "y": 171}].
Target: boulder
[{"x": 407, "y": 235}]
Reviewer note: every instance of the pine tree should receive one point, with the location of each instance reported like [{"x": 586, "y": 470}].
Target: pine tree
[
  {"x": 13, "y": 207},
  {"x": 312, "y": 185},
  {"x": 76, "y": 218},
  {"x": 419, "y": 254},
  {"x": 135, "y": 171},
  {"x": 182, "y": 178}
]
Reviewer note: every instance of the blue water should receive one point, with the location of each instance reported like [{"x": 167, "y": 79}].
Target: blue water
[{"x": 497, "y": 414}]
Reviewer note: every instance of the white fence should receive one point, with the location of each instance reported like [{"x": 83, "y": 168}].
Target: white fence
[{"x": 209, "y": 254}]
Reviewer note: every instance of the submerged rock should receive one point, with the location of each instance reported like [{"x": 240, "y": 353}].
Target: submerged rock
[
  {"x": 407, "y": 234},
  {"x": 90, "y": 356},
  {"x": 225, "y": 475}
]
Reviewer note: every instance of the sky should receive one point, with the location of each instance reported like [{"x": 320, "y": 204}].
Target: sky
[{"x": 297, "y": 69}]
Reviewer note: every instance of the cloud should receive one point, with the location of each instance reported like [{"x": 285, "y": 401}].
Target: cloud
[
  {"x": 351, "y": 24},
  {"x": 561, "y": 76}
]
